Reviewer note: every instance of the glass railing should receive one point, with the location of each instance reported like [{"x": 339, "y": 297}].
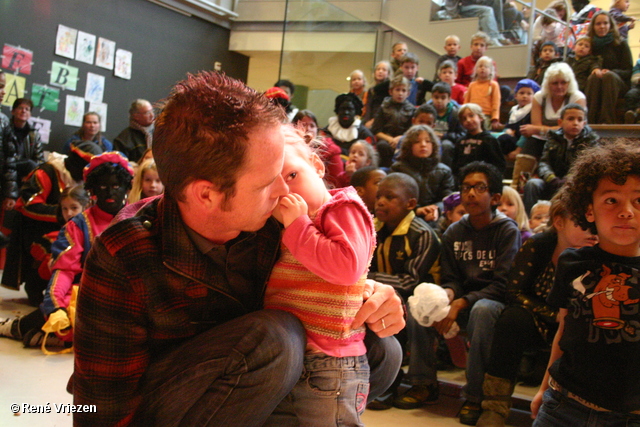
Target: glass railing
[{"x": 322, "y": 45}]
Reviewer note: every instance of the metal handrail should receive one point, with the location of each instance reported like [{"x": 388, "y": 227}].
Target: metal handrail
[{"x": 532, "y": 6}]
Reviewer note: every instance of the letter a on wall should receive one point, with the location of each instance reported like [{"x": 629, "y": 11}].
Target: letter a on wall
[{"x": 14, "y": 88}]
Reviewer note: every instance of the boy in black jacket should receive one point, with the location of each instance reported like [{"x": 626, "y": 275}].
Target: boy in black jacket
[
  {"x": 560, "y": 150},
  {"x": 447, "y": 125},
  {"x": 394, "y": 116}
]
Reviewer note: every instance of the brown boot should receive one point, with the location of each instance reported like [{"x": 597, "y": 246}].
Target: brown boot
[
  {"x": 497, "y": 401},
  {"x": 524, "y": 164}
]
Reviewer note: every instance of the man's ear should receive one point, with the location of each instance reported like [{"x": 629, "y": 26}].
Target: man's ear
[
  {"x": 412, "y": 203},
  {"x": 204, "y": 194},
  {"x": 589, "y": 214},
  {"x": 496, "y": 199},
  {"x": 318, "y": 165}
]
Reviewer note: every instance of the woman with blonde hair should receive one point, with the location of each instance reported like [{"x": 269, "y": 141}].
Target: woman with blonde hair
[{"x": 559, "y": 88}]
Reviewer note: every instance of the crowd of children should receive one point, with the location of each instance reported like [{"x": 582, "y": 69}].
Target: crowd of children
[
  {"x": 428, "y": 204},
  {"x": 442, "y": 214}
]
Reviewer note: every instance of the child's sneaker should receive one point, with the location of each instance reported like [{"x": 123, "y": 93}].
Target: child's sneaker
[
  {"x": 5, "y": 327},
  {"x": 34, "y": 338}
]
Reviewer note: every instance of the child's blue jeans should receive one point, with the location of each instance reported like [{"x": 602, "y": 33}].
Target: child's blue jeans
[
  {"x": 332, "y": 391},
  {"x": 560, "y": 410}
]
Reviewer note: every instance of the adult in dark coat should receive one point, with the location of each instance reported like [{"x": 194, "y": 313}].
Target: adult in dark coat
[{"x": 135, "y": 139}]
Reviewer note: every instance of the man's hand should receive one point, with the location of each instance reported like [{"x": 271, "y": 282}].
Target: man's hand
[
  {"x": 382, "y": 310},
  {"x": 290, "y": 208}
]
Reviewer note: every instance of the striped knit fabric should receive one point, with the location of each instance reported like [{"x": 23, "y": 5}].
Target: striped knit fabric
[{"x": 326, "y": 310}]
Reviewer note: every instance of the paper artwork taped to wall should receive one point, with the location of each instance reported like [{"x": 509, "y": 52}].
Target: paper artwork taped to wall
[
  {"x": 123, "y": 64},
  {"x": 85, "y": 47},
  {"x": 95, "y": 88},
  {"x": 74, "y": 111},
  {"x": 101, "y": 109},
  {"x": 66, "y": 41},
  {"x": 43, "y": 126},
  {"x": 14, "y": 88},
  {"x": 45, "y": 97},
  {"x": 105, "y": 53},
  {"x": 17, "y": 59},
  {"x": 64, "y": 76}
]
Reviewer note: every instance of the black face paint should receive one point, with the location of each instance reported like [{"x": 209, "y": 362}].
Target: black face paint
[
  {"x": 346, "y": 114},
  {"x": 110, "y": 194}
]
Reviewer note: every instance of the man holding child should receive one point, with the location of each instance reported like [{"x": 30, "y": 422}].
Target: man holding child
[{"x": 170, "y": 327}]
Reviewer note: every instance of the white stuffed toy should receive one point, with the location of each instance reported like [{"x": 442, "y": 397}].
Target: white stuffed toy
[{"x": 430, "y": 303}]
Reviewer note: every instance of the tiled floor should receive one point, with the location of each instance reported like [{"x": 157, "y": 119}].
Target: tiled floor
[{"x": 30, "y": 377}]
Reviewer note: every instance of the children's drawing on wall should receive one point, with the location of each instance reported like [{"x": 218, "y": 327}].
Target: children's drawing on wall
[
  {"x": 64, "y": 76},
  {"x": 105, "y": 53},
  {"x": 14, "y": 88},
  {"x": 85, "y": 47},
  {"x": 123, "y": 64},
  {"x": 95, "y": 88},
  {"x": 74, "y": 111},
  {"x": 66, "y": 41},
  {"x": 45, "y": 97},
  {"x": 43, "y": 126},
  {"x": 101, "y": 109},
  {"x": 18, "y": 59}
]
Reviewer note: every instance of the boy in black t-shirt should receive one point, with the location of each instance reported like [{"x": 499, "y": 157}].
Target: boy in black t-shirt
[{"x": 595, "y": 359}]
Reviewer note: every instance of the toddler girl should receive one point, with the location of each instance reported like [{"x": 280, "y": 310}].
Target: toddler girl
[
  {"x": 485, "y": 92},
  {"x": 420, "y": 159},
  {"x": 328, "y": 151},
  {"x": 361, "y": 154},
  {"x": 327, "y": 244},
  {"x": 146, "y": 182},
  {"x": 511, "y": 205}
]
